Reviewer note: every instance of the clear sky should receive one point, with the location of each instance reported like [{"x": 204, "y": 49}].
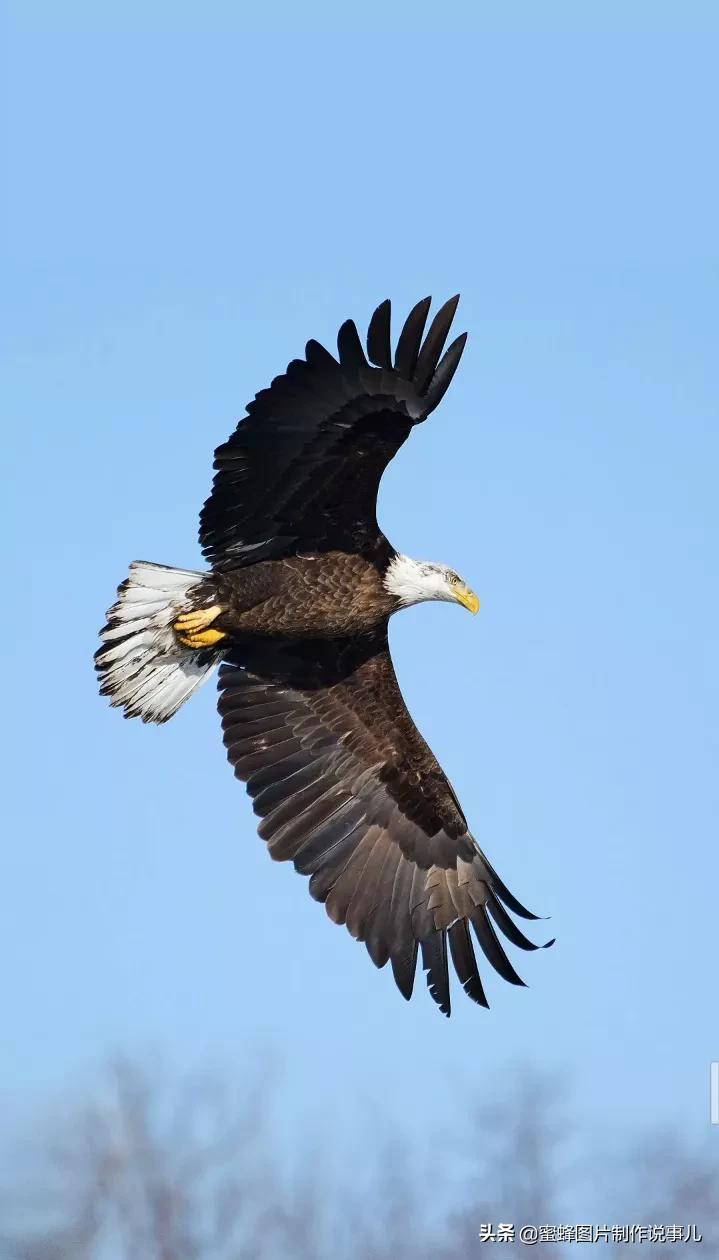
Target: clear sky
[{"x": 189, "y": 196}]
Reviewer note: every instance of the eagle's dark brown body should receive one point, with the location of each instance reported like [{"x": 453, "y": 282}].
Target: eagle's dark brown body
[
  {"x": 321, "y": 595},
  {"x": 294, "y": 610}
]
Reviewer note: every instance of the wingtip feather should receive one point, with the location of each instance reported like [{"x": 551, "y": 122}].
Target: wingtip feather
[
  {"x": 410, "y": 339},
  {"x": 379, "y": 343},
  {"x": 349, "y": 346}
]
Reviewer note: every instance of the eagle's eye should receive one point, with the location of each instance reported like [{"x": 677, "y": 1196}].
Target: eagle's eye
[{"x": 454, "y": 579}]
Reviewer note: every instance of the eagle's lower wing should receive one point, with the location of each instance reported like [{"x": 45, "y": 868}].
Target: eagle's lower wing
[
  {"x": 303, "y": 467},
  {"x": 349, "y": 791}
]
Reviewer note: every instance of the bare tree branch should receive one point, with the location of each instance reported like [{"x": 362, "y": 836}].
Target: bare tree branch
[{"x": 154, "y": 1170}]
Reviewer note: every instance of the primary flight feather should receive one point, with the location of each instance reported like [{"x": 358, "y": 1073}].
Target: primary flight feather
[{"x": 295, "y": 609}]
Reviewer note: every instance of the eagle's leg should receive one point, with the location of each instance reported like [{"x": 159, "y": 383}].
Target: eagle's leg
[{"x": 193, "y": 628}]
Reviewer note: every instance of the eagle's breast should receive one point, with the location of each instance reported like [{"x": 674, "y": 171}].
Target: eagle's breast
[{"x": 309, "y": 595}]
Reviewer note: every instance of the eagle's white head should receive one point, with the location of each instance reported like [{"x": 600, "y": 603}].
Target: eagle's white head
[{"x": 411, "y": 581}]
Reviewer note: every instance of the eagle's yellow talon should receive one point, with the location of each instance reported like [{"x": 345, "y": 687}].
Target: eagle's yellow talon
[
  {"x": 197, "y": 618},
  {"x": 192, "y": 630},
  {"x": 201, "y": 638}
]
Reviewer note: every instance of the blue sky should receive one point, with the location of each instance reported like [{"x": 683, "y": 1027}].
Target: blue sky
[{"x": 189, "y": 198}]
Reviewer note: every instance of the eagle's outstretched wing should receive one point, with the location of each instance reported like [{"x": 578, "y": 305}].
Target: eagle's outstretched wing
[
  {"x": 302, "y": 469},
  {"x": 350, "y": 792}
]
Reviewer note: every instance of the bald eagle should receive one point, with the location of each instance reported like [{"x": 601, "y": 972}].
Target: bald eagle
[{"x": 294, "y": 609}]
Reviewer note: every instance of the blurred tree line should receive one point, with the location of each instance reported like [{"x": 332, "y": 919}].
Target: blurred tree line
[{"x": 143, "y": 1170}]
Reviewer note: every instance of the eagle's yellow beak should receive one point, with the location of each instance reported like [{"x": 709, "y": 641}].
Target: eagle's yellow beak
[{"x": 467, "y": 598}]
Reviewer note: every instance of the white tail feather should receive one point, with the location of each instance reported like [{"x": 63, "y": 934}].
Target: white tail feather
[{"x": 142, "y": 666}]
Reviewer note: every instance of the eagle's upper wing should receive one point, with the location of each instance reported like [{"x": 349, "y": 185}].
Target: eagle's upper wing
[
  {"x": 303, "y": 467},
  {"x": 349, "y": 791}
]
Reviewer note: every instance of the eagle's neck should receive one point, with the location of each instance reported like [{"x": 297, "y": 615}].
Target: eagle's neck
[{"x": 411, "y": 581}]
